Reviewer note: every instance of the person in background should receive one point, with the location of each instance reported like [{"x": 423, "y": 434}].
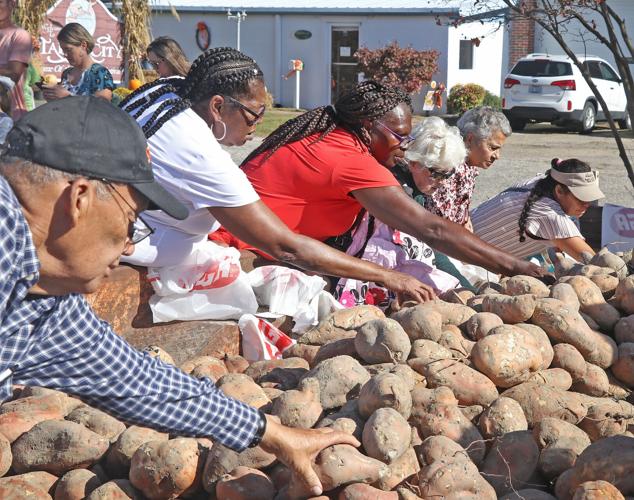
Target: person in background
[
  {"x": 15, "y": 54},
  {"x": 6, "y": 123},
  {"x": 32, "y": 77},
  {"x": 434, "y": 154},
  {"x": 167, "y": 58},
  {"x": 536, "y": 214},
  {"x": 484, "y": 131},
  {"x": 84, "y": 76}
]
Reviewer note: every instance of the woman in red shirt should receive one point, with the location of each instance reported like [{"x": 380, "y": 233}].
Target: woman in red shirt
[{"x": 320, "y": 169}]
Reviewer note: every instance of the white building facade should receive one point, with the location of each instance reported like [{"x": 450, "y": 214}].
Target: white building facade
[{"x": 326, "y": 34}]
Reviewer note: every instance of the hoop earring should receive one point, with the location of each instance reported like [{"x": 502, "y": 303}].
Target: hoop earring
[{"x": 224, "y": 132}]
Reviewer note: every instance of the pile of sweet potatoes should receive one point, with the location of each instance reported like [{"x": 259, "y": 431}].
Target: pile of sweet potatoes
[{"x": 521, "y": 391}]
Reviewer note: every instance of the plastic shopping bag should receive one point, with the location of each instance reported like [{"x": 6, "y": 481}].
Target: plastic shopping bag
[
  {"x": 210, "y": 285},
  {"x": 261, "y": 340}
]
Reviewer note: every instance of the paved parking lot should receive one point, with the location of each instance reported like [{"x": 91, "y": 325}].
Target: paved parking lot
[{"x": 529, "y": 152}]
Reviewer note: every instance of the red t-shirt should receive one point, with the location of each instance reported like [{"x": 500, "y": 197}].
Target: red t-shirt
[{"x": 308, "y": 185}]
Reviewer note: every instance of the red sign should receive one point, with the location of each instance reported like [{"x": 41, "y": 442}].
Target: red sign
[
  {"x": 622, "y": 222},
  {"x": 100, "y": 23}
]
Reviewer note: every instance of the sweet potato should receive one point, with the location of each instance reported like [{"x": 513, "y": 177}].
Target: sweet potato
[
  {"x": 339, "y": 378},
  {"x": 607, "y": 418},
  {"x": 120, "y": 454},
  {"x": 459, "y": 346},
  {"x": 20, "y": 415},
  {"x": 244, "y": 483},
  {"x": 507, "y": 356},
  {"x": 566, "y": 293},
  {"x": 399, "y": 470},
  {"x": 6, "y": 457},
  {"x": 624, "y": 330},
  {"x": 221, "y": 460},
  {"x": 451, "y": 314},
  {"x": 420, "y": 323},
  {"x": 624, "y": 294},
  {"x": 435, "y": 412},
  {"x": 118, "y": 489},
  {"x": 511, "y": 461},
  {"x": 594, "y": 383},
  {"x": 304, "y": 351},
  {"x": 57, "y": 447},
  {"x": 605, "y": 258},
  {"x": 527, "y": 494},
  {"x": 97, "y": 421},
  {"x": 554, "y": 377},
  {"x": 541, "y": 401},
  {"x": 362, "y": 491},
  {"x": 469, "y": 386},
  {"x": 342, "y": 464},
  {"x": 447, "y": 472},
  {"x": 158, "y": 352},
  {"x": 511, "y": 310},
  {"x": 616, "y": 388},
  {"x": 560, "y": 444},
  {"x": 237, "y": 364},
  {"x": 385, "y": 390},
  {"x": 382, "y": 341},
  {"x": 41, "y": 480},
  {"x": 386, "y": 435},
  {"x": 597, "y": 490},
  {"x": 340, "y": 324},
  {"x": 342, "y": 347},
  {"x": 76, "y": 484},
  {"x": 567, "y": 356},
  {"x": 480, "y": 324},
  {"x": 609, "y": 459},
  {"x": 563, "y": 325},
  {"x": 623, "y": 369},
  {"x": 347, "y": 419},
  {"x": 242, "y": 387},
  {"x": 205, "y": 366},
  {"x": 409, "y": 377},
  {"x": 299, "y": 408},
  {"x": 285, "y": 373},
  {"x": 523, "y": 285},
  {"x": 503, "y": 416},
  {"x": 545, "y": 346},
  {"x": 428, "y": 350},
  {"x": 593, "y": 303}
]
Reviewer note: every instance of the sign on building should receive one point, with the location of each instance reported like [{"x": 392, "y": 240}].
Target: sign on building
[{"x": 100, "y": 23}]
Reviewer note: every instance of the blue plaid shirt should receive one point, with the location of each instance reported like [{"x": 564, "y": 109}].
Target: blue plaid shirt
[{"x": 59, "y": 342}]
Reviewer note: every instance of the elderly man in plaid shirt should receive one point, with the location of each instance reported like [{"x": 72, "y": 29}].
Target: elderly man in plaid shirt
[{"x": 75, "y": 175}]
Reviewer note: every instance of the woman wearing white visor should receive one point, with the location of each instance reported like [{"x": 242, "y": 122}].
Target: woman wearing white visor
[{"x": 537, "y": 214}]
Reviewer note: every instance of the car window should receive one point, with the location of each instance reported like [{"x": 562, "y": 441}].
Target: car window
[
  {"x": 594, "y": 69},
  {"x": 542, "y": 67},
  {"x": 608, "y": 73}
]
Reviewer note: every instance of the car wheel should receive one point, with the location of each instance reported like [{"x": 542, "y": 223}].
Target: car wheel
[
  {"x": 625, "y": 123},
  {"x": 517, "y": 124},
  {"x": 588, "y": 118}
]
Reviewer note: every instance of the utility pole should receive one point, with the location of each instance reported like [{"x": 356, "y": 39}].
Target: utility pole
[{"x": 239, "y": 17}]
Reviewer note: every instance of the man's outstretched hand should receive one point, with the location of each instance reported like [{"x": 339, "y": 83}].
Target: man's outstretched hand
[{"x": 297, "y": 449}]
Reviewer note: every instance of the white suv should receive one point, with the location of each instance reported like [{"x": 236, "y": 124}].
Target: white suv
[{"x": 550, "y": 88}]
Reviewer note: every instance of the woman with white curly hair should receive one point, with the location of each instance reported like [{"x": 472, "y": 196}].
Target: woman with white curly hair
[
  {"x": 484, "y": 131},
  {"x": 431, "y": 158}
]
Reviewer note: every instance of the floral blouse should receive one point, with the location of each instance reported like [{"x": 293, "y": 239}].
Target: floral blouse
[
  {"x": 452, "y": 198},
  {"x": 94, "y": 79}
]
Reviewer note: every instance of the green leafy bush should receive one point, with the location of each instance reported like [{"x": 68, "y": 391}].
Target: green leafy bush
[
  {"x": 464, "y": 97},
  {"x": 492, "y": 100}
]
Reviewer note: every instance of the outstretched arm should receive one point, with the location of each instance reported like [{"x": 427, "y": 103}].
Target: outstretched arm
[
  {"x": 257, "y": 225},
  {"x": 393, "y": 207},
  {"x": 574, "y": 247}
]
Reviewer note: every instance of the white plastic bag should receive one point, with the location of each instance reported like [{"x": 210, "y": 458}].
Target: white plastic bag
[
  {"x": 210, "y": 285},
  {"x": 292, "y": 293},
  {"x": 261, "y": 340}
]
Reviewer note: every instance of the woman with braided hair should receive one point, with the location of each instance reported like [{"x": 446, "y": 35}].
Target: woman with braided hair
[
  {"x": 536, "y": 214},
  {"x": 220, "y": 102},
  {"x": 319, "y": 170}
]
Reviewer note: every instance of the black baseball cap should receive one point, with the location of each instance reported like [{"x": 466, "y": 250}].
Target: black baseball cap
[{"x": 89, "y": 136}]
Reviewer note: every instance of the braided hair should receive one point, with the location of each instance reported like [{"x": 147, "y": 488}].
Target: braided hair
[
  {"x": 368, "y": 100},
  {"x": 218, "y": 71},
  {"x": 546, "y": 187}
]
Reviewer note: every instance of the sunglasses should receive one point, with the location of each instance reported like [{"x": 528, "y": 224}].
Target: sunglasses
[
  {"x": 154, "y": 64},
  {"x": 403, "y": 140},
  {"x": 441, "y": 176},
  {"x": 257, "y": 116},
  {"x": 135, "y": 234}
]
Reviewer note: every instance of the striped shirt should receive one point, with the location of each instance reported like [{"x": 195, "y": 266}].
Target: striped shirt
[
  {"x": 58, "y": 342},
  {"x": 496, "y": 221}
]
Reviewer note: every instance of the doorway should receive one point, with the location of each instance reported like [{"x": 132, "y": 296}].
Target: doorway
[{"x": 344, "y": 69}]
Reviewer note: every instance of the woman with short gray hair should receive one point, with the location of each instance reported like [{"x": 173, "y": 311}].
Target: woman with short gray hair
[{"x": 484, "y": 130}]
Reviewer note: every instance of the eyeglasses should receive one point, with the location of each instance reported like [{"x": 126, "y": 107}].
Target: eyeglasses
[
  {"x": 257, "y": 116},
  {"x": 441, "y": 176},
  {"x": 403, "y": 140},
  {"x": 135, "y": 234}
]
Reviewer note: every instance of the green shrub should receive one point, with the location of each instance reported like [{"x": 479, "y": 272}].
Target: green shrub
[
  {"x": 492, "y": 100},
  {"x": 464, "y": 97}
]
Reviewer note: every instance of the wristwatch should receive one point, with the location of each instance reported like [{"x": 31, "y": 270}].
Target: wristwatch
[{"x": 259, "y": 433}]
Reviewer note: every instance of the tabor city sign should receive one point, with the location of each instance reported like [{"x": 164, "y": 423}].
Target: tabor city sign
[{"x": 100, "y": 23}]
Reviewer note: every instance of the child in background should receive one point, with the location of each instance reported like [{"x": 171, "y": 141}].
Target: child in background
[
  {"x": 431, "y": 157},
  {"x": 6, "y": 123}
]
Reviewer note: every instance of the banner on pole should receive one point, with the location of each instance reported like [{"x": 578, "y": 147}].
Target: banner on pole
[{"x": 617, "y": 227}]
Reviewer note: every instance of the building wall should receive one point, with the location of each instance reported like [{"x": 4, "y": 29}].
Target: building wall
[
  {"x": 269, "y": 39},
  {"x": 487, "y": 69}
]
